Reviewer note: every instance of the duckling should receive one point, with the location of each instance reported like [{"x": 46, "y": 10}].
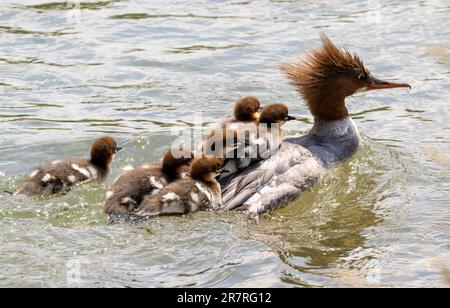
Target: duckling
[
  {"x": 261, "y": 140},
  {"x": 61, "y": 175},
  {"x": 129, "y": 188},
  {"x": 246, "y": 111},
  {"x": 200, "y": 191}
]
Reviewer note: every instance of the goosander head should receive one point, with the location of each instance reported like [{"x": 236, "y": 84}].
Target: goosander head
[
  {"x": 175, "y": 161},
  {"x": 206, "y": 169},
  {"x": 103, "y": 150},
  {"x": 325, "y": 77},
  {"x": 247, "y": 109},
  {"x": 275, "y": 114}
]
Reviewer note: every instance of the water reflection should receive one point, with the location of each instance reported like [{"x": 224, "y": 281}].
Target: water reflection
[
  {"x": 441, "y": 54},
  {"x": 136, "y": 69},
  {"x": 190, "y": 16},
  {"x": 69, "y": 5},
  {"x": 330, "y": 223},
  {"x": 437, "y": 155},
  {"x": 20, "y": 31},
  {"x": 192, "y": 49}
]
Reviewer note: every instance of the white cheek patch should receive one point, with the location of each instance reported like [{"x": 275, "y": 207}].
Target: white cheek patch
[
  {"x": 128, "y": 168},
  {"x": 155, "y": 183},
  {"x": 170, "y": 197},
  {"x": 81, "y": 170},
  {"x": 109, "y": 195},
  {"x": 34, "y": 173},
  {"x": 47, "y": 177},
  {"x": 72, "y": 179}
]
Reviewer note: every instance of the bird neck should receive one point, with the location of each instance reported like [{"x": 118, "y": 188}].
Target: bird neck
[
  {"x": 100, "y": 162},
  {"x": 334, "y": 129},
  {"x": 328, "y": 106}
]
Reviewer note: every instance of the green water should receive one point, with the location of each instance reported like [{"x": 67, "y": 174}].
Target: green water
[{"x": 137, "y": 69}]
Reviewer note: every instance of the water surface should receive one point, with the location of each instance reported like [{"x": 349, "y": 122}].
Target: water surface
[{"x": 137, "y": 69}]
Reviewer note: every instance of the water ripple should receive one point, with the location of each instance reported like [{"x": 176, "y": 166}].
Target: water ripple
[
  {"x": 138, "y": 69},
  {"x": 83, "y": 5}
]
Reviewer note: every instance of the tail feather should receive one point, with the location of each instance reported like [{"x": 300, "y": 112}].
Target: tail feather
[
  {"x": 150, "y": 206},
  {"x": 30, "y": 189},
  {"x": 116, "y": 207}
]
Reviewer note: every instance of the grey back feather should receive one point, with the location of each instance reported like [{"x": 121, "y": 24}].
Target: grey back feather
[{"x": 296, "y": 167}]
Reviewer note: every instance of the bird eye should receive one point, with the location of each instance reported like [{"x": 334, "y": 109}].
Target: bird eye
[{"x": 362, "y": 76}]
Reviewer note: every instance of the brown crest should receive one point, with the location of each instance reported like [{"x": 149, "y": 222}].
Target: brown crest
[{"x": 325, "y": 77}]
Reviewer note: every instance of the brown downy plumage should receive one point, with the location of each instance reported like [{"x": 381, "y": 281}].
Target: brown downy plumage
[
  {"x": 275, "y": 114},
  {"x": 128, "y": 190},
  {"x": 325, "y": 77},
  {"x": 247, "y": 109},
  {"x": 246, "y": 112},
  {"x": 63, "y": 174},
  {"x": 272, "y": 117},
  {"x": 248, "y": 143},
  {"x": 261, "y": 140},
  {"x": 200, "y": 191}
]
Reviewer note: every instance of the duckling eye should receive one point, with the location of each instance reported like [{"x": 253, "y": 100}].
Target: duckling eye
[{"x": 362, "y": 76}]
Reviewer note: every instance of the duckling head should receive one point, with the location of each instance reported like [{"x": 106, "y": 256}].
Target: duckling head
[
  {"x": 247, "y": 109},
  {"x": 103, "y": 151},
  {"x": 275, "y": 114},
  {"x": 206, "y": 169},
  {"x": 176, "y": 161}
]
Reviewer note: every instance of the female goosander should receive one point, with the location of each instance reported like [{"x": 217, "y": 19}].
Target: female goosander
[
  {"x": 60, "y": 175},
  {"x": 325, "y": 78},
  {"x": 200, "y": 191},
  {"x": 129, "y": 188}
]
